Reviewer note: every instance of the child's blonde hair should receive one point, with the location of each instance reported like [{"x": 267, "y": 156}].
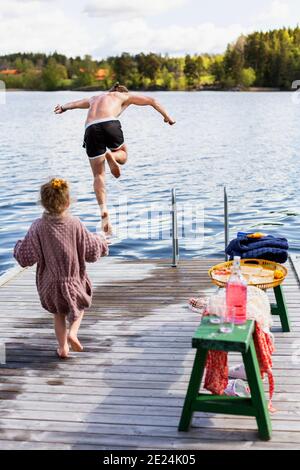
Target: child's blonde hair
[{"x": 55, "y": 196}]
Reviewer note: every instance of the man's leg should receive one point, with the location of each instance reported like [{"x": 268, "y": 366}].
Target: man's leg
[
  {"x": 121, "y": 154},
  {"x": 115, "y": 157},
  {"x": 98, "y": 168}
]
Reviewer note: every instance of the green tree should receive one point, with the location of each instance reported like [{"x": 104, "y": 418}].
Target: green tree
[
  {"x": 200, "y": 66},
  {"x": 234, "y": 61},
  {"x": 248, "y": 77},
  {"x": 32, "y": 80},
  {"x": 125, "y": 70},
  {"x": 190, "y": 70},
  {"x": 217, "y": 69},
  {"x": 262, "y": 58},
  {"x": 23, "y": 65},
  {"x": 13, "y": 81},
  {"x": 148, "y": 65},
  {"x": 83, "y": 79},
  {"x": 165, "y": 79},
  {"x": 53, "y": 75}
]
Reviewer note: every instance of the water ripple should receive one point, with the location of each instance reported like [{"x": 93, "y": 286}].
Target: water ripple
[{"x": 248, "y": 141}]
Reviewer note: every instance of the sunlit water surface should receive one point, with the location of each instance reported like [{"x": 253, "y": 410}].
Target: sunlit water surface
[{"x": 249, "y": 142}]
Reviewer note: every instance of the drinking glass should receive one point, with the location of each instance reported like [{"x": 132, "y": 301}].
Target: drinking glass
[
  {"x": 216, "y": 308},
  {"x": 228, "y": 317}
]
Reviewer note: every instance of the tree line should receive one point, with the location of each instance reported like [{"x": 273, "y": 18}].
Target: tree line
[{"x": 260, "y": 59}]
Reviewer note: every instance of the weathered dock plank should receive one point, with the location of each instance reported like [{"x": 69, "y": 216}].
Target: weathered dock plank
[{"x": 127, "y": 389}]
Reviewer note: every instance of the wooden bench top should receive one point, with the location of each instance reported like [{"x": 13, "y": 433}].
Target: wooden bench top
[{"x": 208, "y": 336}]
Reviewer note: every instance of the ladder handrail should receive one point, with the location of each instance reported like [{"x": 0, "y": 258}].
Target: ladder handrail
[{"x": 175, "y": 245}]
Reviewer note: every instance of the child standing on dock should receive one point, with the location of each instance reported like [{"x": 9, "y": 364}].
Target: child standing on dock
[{"x": 60, "y": 245}]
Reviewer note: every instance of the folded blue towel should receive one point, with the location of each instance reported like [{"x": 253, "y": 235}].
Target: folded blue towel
[{"x": 269, "y": 248}]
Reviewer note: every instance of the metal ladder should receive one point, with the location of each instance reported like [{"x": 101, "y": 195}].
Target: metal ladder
[{"x": 175, "y": 244}]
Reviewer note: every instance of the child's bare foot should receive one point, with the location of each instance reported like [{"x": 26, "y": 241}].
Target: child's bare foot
[
  {"x": 63, "y": 353},
  {"x": 113, "y": 165},
  {"x": 75, "y": 343}
]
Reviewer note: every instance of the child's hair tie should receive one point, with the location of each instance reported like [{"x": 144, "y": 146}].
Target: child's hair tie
[{"x": 58, "y": 183}]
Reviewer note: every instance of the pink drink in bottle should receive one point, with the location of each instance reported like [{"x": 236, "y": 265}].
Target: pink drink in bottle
[{"x": 236, "y": 293}]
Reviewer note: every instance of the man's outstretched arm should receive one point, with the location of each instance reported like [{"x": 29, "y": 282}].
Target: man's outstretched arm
[
  {"x": 80, "y": 104},
  {"x": 140, "y": 100}
]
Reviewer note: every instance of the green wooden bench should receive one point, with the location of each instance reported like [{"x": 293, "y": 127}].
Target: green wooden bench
[
  {"x": 280, "y": 308},
  {"x": 208, "y": 337}
]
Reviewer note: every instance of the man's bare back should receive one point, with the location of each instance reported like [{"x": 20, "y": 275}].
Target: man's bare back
[{"x": 110, "y": 104}]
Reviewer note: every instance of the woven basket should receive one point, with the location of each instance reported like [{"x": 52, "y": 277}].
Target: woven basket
[{"x": 252, "y": 262}]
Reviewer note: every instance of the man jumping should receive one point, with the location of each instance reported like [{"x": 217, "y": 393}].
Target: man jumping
[{"x": 103, "y": 138}]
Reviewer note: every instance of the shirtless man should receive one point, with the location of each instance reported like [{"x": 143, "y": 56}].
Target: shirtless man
[{"x": 103, "y": 138}]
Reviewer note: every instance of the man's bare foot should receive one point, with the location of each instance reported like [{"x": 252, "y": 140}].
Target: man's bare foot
[
  {"x": 113, "y": 165},
  {"x": 75, "y": 343},
  {"x": 63, "y": 353},
  {"x": 170, "y": 121}
]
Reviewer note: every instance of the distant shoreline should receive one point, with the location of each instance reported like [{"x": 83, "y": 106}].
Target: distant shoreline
[
  {"x": 215, "y": 89},
  {"x": 257, "y": 62}
]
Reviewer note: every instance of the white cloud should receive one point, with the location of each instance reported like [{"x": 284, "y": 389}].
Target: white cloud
[
  {"x": 114, "y": 26},
  {"x": 40, "y": 26},
  {"x": 278, "y": 10},
  {"x": 129, "y": 8},
  {"x": 12, "y": 9},
  {"x": 136, "y": 36}
]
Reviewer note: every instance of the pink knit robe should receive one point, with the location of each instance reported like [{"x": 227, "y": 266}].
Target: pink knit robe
[{"x": 60, "y": 245}]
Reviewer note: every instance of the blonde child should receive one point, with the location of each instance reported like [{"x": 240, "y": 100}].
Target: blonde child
[{"x": 61, "y": 245}]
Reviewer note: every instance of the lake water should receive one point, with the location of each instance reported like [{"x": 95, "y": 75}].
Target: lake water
[{"x": 249, "y": 142}]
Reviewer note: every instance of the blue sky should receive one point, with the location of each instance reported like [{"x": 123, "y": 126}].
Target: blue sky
[{"x": 102, "y": 28}]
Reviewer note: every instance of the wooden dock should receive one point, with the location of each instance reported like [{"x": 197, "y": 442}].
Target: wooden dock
[{"x": 126, "y": 390}]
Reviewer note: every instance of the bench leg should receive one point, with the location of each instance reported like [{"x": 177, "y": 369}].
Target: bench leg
[
  {"x": 281, "y": 309},
  {"x": 257, "y": 393},
  {"x": 193, "y": 389}
]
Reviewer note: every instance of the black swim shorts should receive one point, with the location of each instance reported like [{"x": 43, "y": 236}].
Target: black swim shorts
[{"x": 101, "y": 135}]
